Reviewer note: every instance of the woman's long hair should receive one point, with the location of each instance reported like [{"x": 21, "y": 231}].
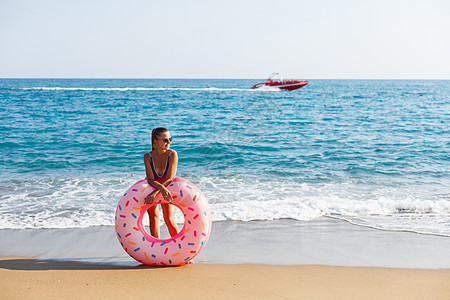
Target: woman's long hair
[{"x": 155, "y": 133}]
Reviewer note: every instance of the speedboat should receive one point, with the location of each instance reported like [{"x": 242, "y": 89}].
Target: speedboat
[{"x": 275, "y": 81}]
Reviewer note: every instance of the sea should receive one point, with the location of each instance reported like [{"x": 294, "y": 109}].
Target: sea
[{"x": 374, "y": 153}]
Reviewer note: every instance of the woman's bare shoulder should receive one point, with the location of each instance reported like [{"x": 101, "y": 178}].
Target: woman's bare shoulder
[
  {"x": 173, "y": 155},
  {"x": 147, "y": 156}
]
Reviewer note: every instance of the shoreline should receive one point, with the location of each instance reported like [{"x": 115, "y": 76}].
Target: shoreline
[{"x": 385, "y": 229}]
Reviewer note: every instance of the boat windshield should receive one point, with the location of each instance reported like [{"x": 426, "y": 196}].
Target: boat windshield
[{"x": 275, "y": 77}]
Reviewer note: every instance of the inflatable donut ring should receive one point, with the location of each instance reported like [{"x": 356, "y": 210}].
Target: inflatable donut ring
[{"x": 176, "y": 250}]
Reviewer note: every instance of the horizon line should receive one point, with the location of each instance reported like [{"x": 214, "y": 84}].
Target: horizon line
[{"x": 214, "y": 78}]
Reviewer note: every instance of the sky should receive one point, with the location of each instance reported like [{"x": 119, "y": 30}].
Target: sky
[{"x": 314, "y": 39}]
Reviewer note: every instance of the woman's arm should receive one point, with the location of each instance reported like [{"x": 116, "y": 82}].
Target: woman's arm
[{"x": 173, "y": 164}]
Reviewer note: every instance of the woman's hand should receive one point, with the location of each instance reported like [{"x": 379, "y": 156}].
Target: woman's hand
[
  {"x": 150, "y": 198},
  {"x": 166, "y": 194}
]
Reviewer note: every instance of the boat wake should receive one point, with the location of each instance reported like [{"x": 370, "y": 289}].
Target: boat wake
[
  {"x": 267, "y": 88},
  {"x": 208, "y": 89}
]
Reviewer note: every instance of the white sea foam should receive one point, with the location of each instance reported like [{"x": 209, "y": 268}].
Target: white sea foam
[
  {"x": 268, "y": 88},
  {"x": 85, "y": 202}
]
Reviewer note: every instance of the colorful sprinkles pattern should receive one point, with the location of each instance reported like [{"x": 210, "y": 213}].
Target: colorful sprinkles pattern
[{"x": 177, "y": 250}]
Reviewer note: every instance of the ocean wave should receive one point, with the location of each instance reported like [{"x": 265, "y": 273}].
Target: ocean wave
[{"x": 85, "y": 202}]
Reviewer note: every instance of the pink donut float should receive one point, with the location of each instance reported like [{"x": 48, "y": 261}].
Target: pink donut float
[{"x": 176, "y": 250}]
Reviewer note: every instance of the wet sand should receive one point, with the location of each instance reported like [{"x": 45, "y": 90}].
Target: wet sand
[{"x": 283, "y": 242}]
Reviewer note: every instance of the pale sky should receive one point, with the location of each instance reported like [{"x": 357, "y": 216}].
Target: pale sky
[{"x": 313, "y": 39}]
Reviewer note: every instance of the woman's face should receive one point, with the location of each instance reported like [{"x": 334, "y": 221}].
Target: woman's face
[{"x": 163, "y": 140}]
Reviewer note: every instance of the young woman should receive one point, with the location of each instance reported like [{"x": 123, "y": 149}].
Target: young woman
[{"x": 160, "y": 167}]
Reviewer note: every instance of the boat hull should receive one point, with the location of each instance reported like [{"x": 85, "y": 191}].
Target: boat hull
[{"x": 289, "y": 86}]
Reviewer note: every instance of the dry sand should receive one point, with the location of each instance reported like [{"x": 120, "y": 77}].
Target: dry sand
[{"x": 47, "y": 279}]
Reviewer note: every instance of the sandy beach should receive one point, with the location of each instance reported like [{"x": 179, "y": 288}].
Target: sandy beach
[
  {"x": 33, "y": 279},
  {"x": 323, "y": 259}
]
